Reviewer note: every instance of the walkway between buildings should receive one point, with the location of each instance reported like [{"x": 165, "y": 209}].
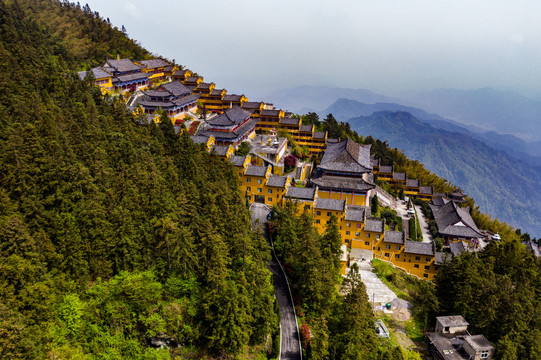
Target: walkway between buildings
[
  {"x": 427, "y": 235},
  {"x": 378, "y": 292},
  {"x": 290, "y": 344}
]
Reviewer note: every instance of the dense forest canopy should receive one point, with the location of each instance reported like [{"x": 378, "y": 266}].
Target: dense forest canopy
[{"x": 112, "y": 234}]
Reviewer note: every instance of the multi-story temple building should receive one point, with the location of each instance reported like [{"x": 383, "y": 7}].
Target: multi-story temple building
[{"x": 345, "y": 173}]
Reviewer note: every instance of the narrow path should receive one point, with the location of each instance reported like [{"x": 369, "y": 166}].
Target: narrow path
[
  {"x": 290, "y": 346},
  {"x": 378, "y": 293},
  {"x": 427, "y": 236}
]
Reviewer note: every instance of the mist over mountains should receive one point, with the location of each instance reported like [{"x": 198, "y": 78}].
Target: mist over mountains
[
  {"x": 490, "y": 109},
  {"x": 500, "y": 184}
]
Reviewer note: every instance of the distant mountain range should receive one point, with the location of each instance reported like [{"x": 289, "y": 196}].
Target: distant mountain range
[
  {"x": 490, "y": 109},
  {"x": 500, "y": 184},
  {"x": 530, "y": 152},
  {"x": 304, "y": 99}
]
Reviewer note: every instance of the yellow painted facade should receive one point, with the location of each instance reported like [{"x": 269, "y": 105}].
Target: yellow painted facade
[
  {"x": 258, "y": 188},
  {"x": 358, "y": 199}
]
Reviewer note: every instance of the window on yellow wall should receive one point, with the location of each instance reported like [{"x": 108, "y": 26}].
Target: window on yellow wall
[
  {"x": 357, "y": 234},
  {"x": 248, "y": 180},
  {"x": 270, "y": 191},
  {"x": 270, "y": 199},
  {"x": 248, "y": 189},
  {"x": 416, "y": 266},
  {"x": 367, "y": 235},
  {"x": 348, "y": 224},
  {"x": 367, "y": 243},
  {"x": 398, "y": 247},
  {"x": 388, "y": 247},
  {"x": 397, "y": 256},
  {"x": 328, "y": 213},
  {"x": 425, "y": 275},
  {"x": 318, "y": 212},
  {"x": 259, "y": 190},
  {"x": 427, "y": 267},
  {"x": 428, "y": 259},
  {"x": 259, "y": 181},
  {"x": 358, "y": 226},
  {"x": 317, "y": 221},
  {"x": 386, "y": 254},
  {"x": 378, "y": 236},
  {"x": 417, "y": 258}
]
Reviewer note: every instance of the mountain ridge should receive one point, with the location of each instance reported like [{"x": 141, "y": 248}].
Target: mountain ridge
[
  {"x": 344, "y": 109},
  {"x": 465, "y": 161}
]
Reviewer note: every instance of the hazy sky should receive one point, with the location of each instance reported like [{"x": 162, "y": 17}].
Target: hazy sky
[{"x": 382, "y": 45}]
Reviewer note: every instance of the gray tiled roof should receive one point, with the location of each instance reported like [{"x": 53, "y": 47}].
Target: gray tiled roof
[
  {"x": 154, "y": 63},
  {"x": 204, "y": 86},
  {"x": 414, "y": 183},
  {"x": 440, "y": 257},
  {"x": 301, "y": 193},
  {"x": 375, "y": 162},
  {"x": 266, "y": 112},
  {"x": 347, "y": 156},
  {"x": 185, "y": 100},
  {"x": 175, "y": 88},
  {"x": 385, "y": 169},
  {"x": 232, "y": 135},
  {"x": 232, "y": 116},
  {"x": 330, "y": 204},
  {"x": 237, "y": 160},
  {"x": 396, "y": 237},
  {"x": 122, "y": 65},
  {"x": 130, "y": 77},
  {"x": 181, "y": 72},
  {"x": 252, "y": 105},
  {"x": 339, "y": 182},
  {"x": 199, "y": 139},
  {"x": 440, "y": 201},
  {"x": 277, "y": 181},
  {"x": 417, "y": 247},
  {"x": 319, "y": 134},
  {"x": 192, "y": 79},
  {"x": 256, "y": 171},
  {"x": 158, "y": 93},
  {"x": 232, "y": 97},
  {"x": 97, "y": 72},
  {"x": 399, "y": 176},
  {"x": 456, "y": 248},
  {"x": 425, "y": 190},
  {"x": 145, "y": 101},
  {"x": 333, "y": 140},
  {"x": 448, "y": 215},
  {"x": 306, "y": 128},
  {"x": 221, "y": 150},
  {"x": 290, "y": 121},
  {"x": 355, "y": 213},
  {"x": 373, "y": 224}
]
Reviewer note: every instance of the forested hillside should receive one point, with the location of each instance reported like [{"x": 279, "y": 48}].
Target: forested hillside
[
  {"x": 500, "y": 184},
  {"x": 498, "y": 293},
  {"x": 112, "y": 235}
]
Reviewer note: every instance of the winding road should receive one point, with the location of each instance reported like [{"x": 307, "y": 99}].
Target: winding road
[{"x": 290, "y": 346}]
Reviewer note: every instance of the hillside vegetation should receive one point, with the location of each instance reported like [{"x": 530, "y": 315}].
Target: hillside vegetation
[
  {"x": 500, "y": 184},
  {"x": 112, "y": 235}
]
